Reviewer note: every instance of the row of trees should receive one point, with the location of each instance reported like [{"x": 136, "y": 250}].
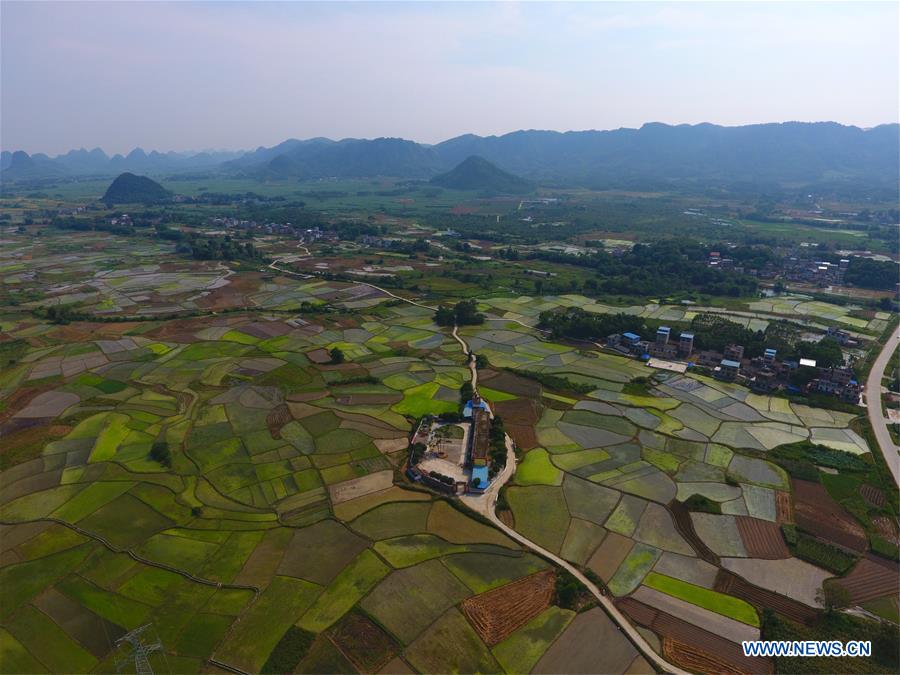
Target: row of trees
[{"x": 666, "y": 266}]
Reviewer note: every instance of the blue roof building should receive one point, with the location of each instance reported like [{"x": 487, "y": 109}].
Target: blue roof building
[
  {"x": 467, "y": 410},
  {"x": 480, "y": 473},
  {"x": 631, "y": 338}
]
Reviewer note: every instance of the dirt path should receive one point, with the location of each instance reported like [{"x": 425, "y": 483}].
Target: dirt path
[
  {"x": 873, "y": 405},
  {"x": 469, "y": 356}
]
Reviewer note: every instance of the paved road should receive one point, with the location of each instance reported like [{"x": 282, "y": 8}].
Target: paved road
[
  {"x": 873, "y": 405},
  {"x": 486, "y": 504}
]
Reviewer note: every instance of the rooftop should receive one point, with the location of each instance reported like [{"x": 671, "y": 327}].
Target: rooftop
[{"x": 728, "y": 363}]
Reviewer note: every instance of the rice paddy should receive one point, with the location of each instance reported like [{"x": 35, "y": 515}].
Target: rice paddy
[{"x": 281, "y": 502}]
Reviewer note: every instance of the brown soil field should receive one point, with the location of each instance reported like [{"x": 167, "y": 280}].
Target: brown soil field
[
  {"x": 609, "y": 555},
  {"x": 676, "y": 629},
  {"x": 260, "y": 567},
  {"x": 762, "y": 538},
  {"x": 236, "y": 292},
  {"x": 817, "y": 513},
  {"x": 514, "y": 384},
  {"x": 497, "y": 613},
  {"x": 90, "y": 331},
  {"x": 784, "y": 510},
  {"x": 524, "y": 435},
  {"x": 685, "y": 526},
  {"x": 591, "y": 644},
  {"x": 507, "y": 518},
  {"x": 731, "y": 584},
  {"x": 181, "y": 328},
  {"x": 872, "y": 495},
  {"x": 695, "y": 659},
  {"x": 872, "y": 578},
  {"x": 318, "y": 355},
  {"x": 365, "y": 645}
]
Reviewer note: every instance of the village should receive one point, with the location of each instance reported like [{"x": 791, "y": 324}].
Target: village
[{"x": 762, "y": 374}]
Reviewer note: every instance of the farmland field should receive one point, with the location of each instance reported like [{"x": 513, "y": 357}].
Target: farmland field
[{"x": 209, "y": 468}]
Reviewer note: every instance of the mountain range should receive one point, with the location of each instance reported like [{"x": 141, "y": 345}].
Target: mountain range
[
  {"x": 786, "y": 154},
  {"x": 19, "y": 165}
]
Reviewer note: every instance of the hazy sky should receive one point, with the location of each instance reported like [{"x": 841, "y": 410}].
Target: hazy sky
[{"x": 237, "y": 75}]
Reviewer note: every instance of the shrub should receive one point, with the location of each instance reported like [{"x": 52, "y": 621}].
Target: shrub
[
  {"x": 159, "y": 452},
  {"x": 703, "y": 504},
  {"x": 824, "y": 555}
]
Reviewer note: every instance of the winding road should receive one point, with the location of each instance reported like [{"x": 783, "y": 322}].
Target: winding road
[
  {"x": 873, "y": 405},
  {"x": 486, "y": 503}
]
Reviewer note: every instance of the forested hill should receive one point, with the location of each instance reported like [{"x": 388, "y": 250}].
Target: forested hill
[
  {"x": 476, "y": 173},
  {"x": 130, "y": 189}
]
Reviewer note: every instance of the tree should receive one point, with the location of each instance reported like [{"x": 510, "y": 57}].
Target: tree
[
  {"x": 481, "y": 362},
  {"x": 832, "y": 596},
  {"x": 337, "y": 355},
  {"x": 159, "y": 452}
]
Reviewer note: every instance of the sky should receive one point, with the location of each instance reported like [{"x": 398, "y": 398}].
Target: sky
[{"x": 237, "y": 75}]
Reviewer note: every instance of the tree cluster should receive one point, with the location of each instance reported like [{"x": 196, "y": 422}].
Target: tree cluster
[{"x": 463, "y": 313}]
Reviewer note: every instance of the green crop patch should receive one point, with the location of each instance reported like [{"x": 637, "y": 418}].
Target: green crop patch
[
  {"x": 536, "y": 469},
  {"x": 719, "y": 603},
  {"x": 263, "y": 624},
  {"x": 354, "y": 581},
  {"x": 409, "y": 600}
]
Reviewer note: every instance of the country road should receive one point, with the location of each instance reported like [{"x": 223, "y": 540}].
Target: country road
[
  {"x": 873, "y": 405},
  {"x": 486, "y": 503}
]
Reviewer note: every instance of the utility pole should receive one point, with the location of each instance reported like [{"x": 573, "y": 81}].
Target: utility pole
[{"x": 140, "y": 651}]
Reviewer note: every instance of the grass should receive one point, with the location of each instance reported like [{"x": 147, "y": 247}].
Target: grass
[
  {"x": 536, "y": 469},
  {"x": 393, "y": 520},
  {"x": 733, "y": 608},
  {"x": 354, "y": 581},
  {"x": 16, "y": 658},
  {"x": 117, "y": 608},
  {"x": 633, "y": 569},
  {"x": 90, "y": 499},
  {"x": 523, "y": 649},
  {"x": 414, "y": 549},
  {"x": 263, "y": 624},
  {"x": 418, "y": 401},
  {"x": 482, "y": 572},
  {"x": 449, "y": 523},
  {"x": 54, "y": 648},
  {"x": 451, "y": 645},
  {"x": 409, "y": 600},
  {"x": 496, "y": 396},
  {"x": 23, "y": 581},
  {"x": 289, "y": 651},
  {"x": 541, "y": 514}
]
